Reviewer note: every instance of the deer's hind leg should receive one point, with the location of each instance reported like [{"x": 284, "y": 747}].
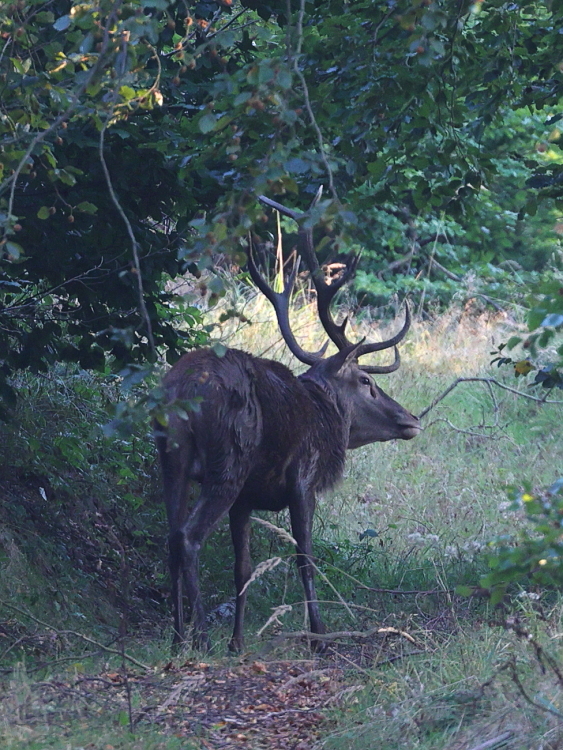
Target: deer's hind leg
[
  {"x": 176, "y": 465},
  {"x": 213, "y": 504}
]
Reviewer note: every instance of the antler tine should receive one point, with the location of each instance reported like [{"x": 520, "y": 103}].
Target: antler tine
[
  {"x": 377, "y": 347},
  {"x": 280, "y": 302},
  {"x": 325, "y": 292},
  {"x": 383, "y": 369}
]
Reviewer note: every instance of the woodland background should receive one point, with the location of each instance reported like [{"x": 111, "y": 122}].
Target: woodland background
[{"x": 135, "y": 138}]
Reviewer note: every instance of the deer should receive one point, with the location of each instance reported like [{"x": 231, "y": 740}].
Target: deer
[{"x": 262, "y": 438}]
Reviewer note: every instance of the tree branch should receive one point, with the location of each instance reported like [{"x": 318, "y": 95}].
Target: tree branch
[
  {"x": 86, "y": 638},
  {"x": 489, "y": 381}
]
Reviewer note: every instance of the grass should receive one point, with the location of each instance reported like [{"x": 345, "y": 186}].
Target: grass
[{"x": 82, "y": 548}]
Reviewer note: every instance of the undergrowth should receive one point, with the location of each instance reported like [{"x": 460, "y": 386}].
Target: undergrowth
[{"x": 83, "y": 546}]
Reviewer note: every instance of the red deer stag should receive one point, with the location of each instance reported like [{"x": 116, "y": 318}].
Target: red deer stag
[{"x": 264, "y": 439}]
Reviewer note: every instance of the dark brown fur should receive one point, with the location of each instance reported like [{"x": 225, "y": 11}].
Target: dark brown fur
[{"x": 262, "y": 439}]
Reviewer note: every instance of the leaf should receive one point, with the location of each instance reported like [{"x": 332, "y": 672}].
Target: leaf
[
  {"x": 127, "y": 93},
  {"x": 497, "y": 595},
  {"x": 464, "y": 590},
  {"x": 512, "y": 342},
  {"x": 553, "y": 319},
  {"x": 14, "y": 251},
  {"x": 284, "y": 78},
  {"x": 241, "y": 98},
  {"x": 557, "y": 486},
  {"x": 62, "y": 23},
  {"x": 207, "y": 123},
  {"x": 86, "y": 207},
  {"x": 377, "y": 168},
  {"x": 297, "y": 166},
  {"x": 43, "y": 213},
  {"x": 523, "y": 367}
]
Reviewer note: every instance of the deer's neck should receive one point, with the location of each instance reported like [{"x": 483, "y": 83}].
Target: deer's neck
[{"x": 332, "y": 428}]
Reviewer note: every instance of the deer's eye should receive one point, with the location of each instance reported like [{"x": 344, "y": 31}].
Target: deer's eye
[{"x": 365, "y": 381}]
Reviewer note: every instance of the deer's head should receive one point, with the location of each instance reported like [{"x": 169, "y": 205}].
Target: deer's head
[{"x": 373, "y": 416}]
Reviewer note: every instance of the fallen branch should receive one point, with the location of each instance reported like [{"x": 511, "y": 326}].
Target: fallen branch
[
  {"x": 395, "y": 264},
  {"x": 396, "y": 657},
  {"x": 433, "y": 263},
  {"x": 85, "y": 638},
  {"x": 415, "y": 592},
  {"x": 347, "y": 634}
]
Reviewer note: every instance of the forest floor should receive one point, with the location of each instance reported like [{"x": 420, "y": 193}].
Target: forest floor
[
  {"x": 83, "y": 576},
  {"x": 272, "y": 705}
]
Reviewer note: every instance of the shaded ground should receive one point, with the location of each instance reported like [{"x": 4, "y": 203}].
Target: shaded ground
[
  {"x": 259, "y": 705},
  {"x": 229, "y": 704}
]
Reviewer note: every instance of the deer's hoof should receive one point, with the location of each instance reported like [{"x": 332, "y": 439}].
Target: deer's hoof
[
  {"x": 320, "y": 647},
  {"x": 236, "y": 645},
  {"x": 201, "y": 642}
]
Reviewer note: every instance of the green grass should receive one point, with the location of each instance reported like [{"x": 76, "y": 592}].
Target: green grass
[{"x": 82, "y": 548}]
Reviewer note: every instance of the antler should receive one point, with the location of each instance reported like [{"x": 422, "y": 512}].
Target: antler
[
  {"x": 280, "y": 302},
  {"x": 326, "y": 292}
]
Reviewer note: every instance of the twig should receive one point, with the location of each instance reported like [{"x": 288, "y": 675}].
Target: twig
[
  {"x": 516, "y": 680},
  {"x": 434, "y": 263},
  {"x": 361, "y": 669},
  {"x": 86, "y": 638},
  {"x": 134, "y": 243},
  {"x": 308, "y": 105},
  {"x": 396, "y": 657},
  {"x": 489, "y": 381},
  {"x": 394, "y": 592},
  {"x": 468, "y": 432},
  {"x": 50, "y": 664},
  {"x": 396, "y": 263},
  {"x": 285, "y": 535}
]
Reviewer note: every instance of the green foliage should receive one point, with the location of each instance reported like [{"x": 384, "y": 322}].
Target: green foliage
[
  {"x": 136, "y": 136},
  {"x": 535, "y": 554},
  {"x": 541, "y": 351}
]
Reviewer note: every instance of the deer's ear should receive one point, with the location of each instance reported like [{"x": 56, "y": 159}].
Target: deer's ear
[{"x": 334, "y": 364}]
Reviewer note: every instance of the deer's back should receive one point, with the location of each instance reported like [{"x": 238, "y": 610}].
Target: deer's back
[{"x": 253, "y": 416}]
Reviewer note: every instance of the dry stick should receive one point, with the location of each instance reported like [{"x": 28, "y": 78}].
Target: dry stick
[
  {"x": 516, "y": 680},
  {"x": 353, "y": 663},
  {"x": 107, "y": 649},
  {"x": 396, "y": 657},
  {"x": 387, "y": 591},
  {"x": 347, "y": 634},
  {"x": 496, "y": 412},
  {"x": 489, "y": 381},
  {"x": 495, "y": 742},
  {"x": 285, "y": 535}
]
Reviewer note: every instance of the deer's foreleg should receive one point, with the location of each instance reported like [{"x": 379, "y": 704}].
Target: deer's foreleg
[
  {"x": 301, "y": 509},
  {"x": 240, "y": 534}
]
